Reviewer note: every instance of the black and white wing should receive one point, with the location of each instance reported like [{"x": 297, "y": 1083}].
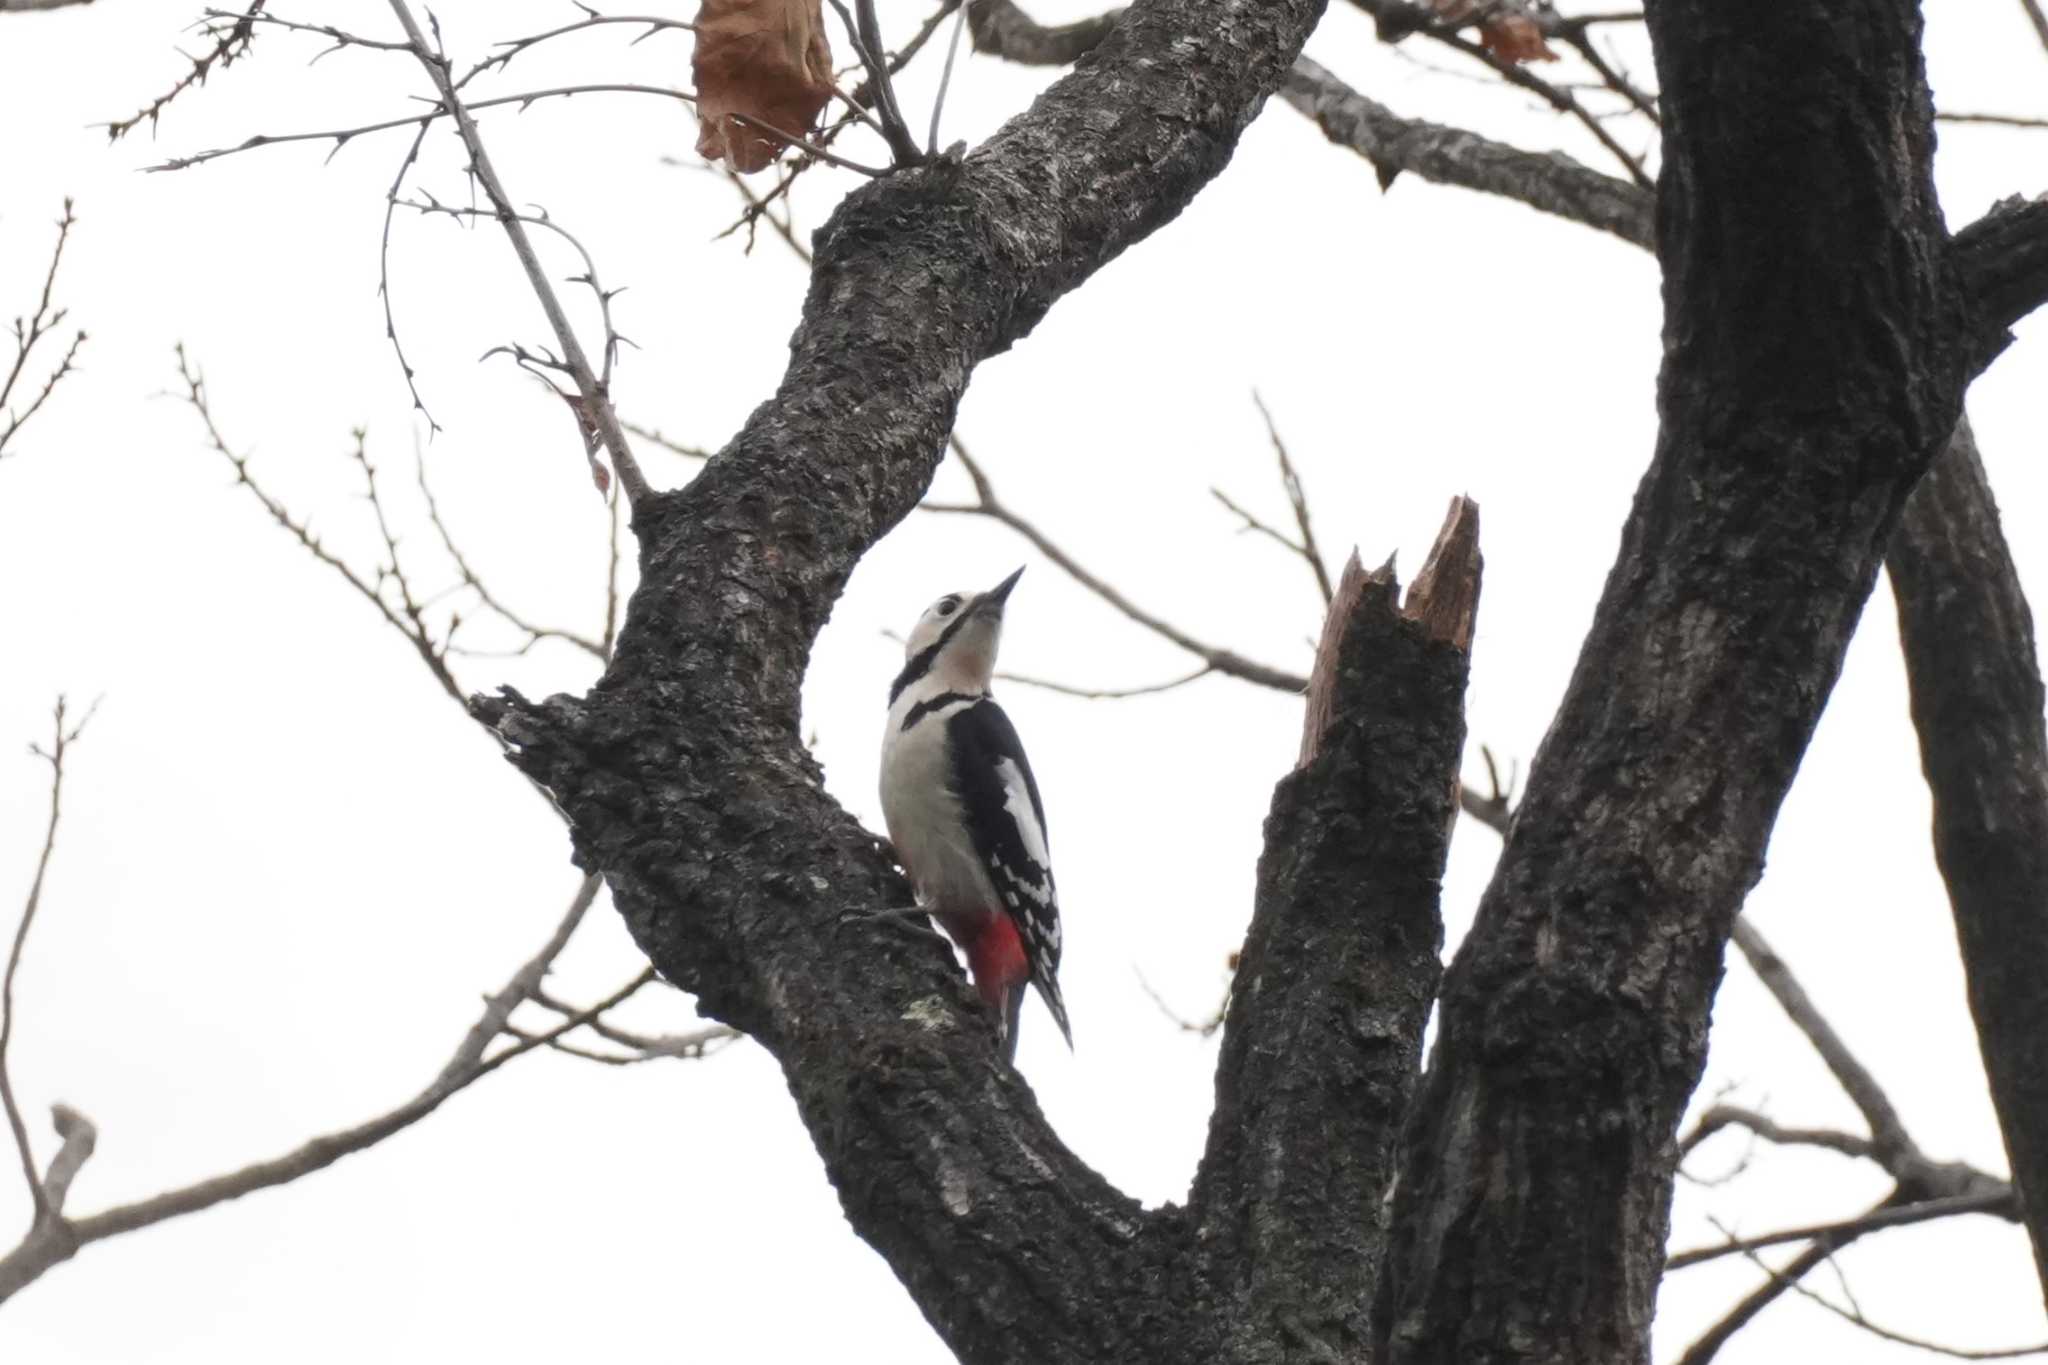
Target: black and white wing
[{"x": 1006, "y": 821}]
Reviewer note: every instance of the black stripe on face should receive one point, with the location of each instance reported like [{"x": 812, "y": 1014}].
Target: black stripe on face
[
  {"x": 938, "y": 703},
  {"x": 922, "y": 661}
]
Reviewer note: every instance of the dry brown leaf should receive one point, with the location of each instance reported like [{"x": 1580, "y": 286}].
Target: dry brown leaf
[
  {"x": 765, "y": 60},
  {"x": 1506, "y": 27},
  {"x": 1515, "y": 38}
]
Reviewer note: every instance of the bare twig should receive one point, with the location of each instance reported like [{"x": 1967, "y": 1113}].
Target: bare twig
[
  {"x": 30, "y": 330},
  {"x": 596, "y": 411},
  {"x": 1494, "y": 810},
  {"x": 1709, "y": 1343},
  {"x": 512, "y": 47},
  {"x": 1107, "y": 693},
  {"x": 412, "y": 156},
  {"x": 341, "y": 137},
  {"x": 865, "y": 35},
  {"x": 1221, "y": 660},
  {"x": 1994, "y": 120},
  {"x": 231, "y": 42},
  {"x": 1722, "y": 1116},
  {"x": 1201, "y": 1027},
  {"x": 1887, "y": 1132},
  {"x": 654, "y": 437},
  {"x": 2000, "y": 1202},
  {"x": 491, "y": 602},
  {"x": 644, "y": 1047},
  {"x": 1397, "y": 19},
  {"x": 1290, "y": 483},
  {"x": 57, "y": 1238},
  {"x": 1854, "y": 1314},
  {"x": 2038, "y": 19},
  {"x": 63, "y": 735},
  {"x": 945, "y": 80},
  {"x": 431, "y": 651}
]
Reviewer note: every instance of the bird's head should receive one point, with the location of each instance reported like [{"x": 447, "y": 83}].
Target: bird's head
[{"x": 956, "y": 638}]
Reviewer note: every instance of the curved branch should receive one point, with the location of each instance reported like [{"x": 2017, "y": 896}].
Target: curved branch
[{"x": 684, "y": 774}]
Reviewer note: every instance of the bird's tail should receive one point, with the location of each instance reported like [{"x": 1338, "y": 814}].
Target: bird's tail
[
  {"x": 1048, "y": 991},
  {"x": 1013, "y": 1006}
]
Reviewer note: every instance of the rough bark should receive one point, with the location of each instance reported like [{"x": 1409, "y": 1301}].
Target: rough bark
[
  {"x": 1323, "y": 1037},
  {"x": 1530, "y": 1208},
  {"x": 1978, "y": 707},
  {"x": 1814, "y": 359},
  {"x": 1548, "y": 181},
  {"x": 683, "y": 774}
]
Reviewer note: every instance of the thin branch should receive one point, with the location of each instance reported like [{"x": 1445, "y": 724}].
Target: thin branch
[
  {"x": 2000, "y": 1202},
  {"x": 515, "y": 46},
  {"x": 1855, "y": 1315},
  {"x": 1290, "y": 483},
  {"x": 1887, "y": 1131},
  {"x": 653, "y": 436},
  {"x": 430, "y": 651},
  {"x": 228, "y": 45},
  {"x": 1107, "y": 693},
  {"x": 341, "y": 137},
  {"x": 2038, "y": 19},
  {"x": 596, "y": 410},
  {"x": 1204, "y": 1028},
  {"x": 30, "y": 330},
  {"x": 412, "y": 156},
  {"x": 58, "y": 1239},
  {"x": 1996, "y": 120},
  {"x": 1221, "y": 660},
  {"x": 62, "y": 737},
  {"x": 1709, "y": 1343},
  {"x": 865, "y": 36},
  {"x": 1723, "y": 1116},
  {"x": 945, "y": 80}
]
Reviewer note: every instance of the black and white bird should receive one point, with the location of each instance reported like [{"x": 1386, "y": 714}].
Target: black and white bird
[{"x": 963, "y": 808}]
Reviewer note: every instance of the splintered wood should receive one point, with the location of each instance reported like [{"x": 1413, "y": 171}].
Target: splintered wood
[
  {"x": 758, "y": 64},
  {"x": 1443, "y": 601}
]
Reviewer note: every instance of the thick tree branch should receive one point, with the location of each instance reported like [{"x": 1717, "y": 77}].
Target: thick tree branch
[
  {"x": 1977, "y": 705},
  {"x": 2003, "y": 257},
  {"x": 684, "y": 774},
  {"x": 1324, "y": 1027},
  {"x": 1548, "y": 181},
  {"x": 1797, "y": 147}
]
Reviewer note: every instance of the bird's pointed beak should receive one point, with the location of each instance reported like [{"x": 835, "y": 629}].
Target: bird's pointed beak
[{"x": 993, "y": 599}]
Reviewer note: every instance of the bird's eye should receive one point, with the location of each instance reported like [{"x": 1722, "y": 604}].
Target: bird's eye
[{"x": 948, "y": 605}]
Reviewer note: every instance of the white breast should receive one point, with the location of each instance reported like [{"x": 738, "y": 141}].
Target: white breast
[{"x": 923, "y": 814}]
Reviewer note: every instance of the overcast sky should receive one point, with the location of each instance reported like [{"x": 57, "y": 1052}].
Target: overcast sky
[{"x": 290, "y": 866}]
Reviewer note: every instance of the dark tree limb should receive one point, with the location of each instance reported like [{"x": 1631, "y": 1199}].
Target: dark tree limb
[
  {"x": 684, "y": 774},
  {"x": 1001, "y": 29},
  {"x": 1977, "y": 705},
  {"x": 1797, "y": 147},
  {"x": 1323, "y": 1034},
  {"x": 1547, "y": 181}
]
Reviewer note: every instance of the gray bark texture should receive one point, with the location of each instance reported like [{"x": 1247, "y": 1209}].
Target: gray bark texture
[
  {"x": 1977, "y": 704},
  {"x": 1817, "y": 340},
  {"x": 1820, "y": 327}
]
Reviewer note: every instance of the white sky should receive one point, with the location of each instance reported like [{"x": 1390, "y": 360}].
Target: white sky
[{"x": 289, "y": 867}]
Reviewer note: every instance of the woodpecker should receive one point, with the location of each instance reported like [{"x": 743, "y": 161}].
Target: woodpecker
[{"x": 963, "y": 808}]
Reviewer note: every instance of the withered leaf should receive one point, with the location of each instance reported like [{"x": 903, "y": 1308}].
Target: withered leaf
[
  {"x": 1507, "y": 28},
  {"x": 767, "y": 61}
]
